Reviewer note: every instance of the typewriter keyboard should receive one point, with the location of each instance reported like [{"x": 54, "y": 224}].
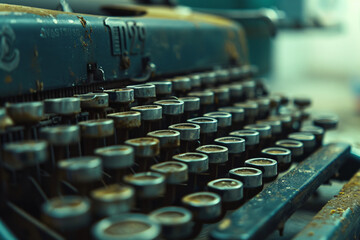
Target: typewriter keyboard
[{"x": 206, "y": 155}]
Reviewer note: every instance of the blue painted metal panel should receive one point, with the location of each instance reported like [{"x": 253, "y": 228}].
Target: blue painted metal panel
[{"x": 43, "y": 49}]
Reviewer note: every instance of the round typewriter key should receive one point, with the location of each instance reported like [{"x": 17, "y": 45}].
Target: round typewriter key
[
  {"x": 19, "y": 155},
  {"x": 95, "y": 133},
  {"x": 116, "y": 159},
  {"x": 191, "y": 106},
  {"x": 151, "y": 116},
  {"x": 264, "y": 107},
  {"x": 252, "y": 140},
  {"x": 250, "y": 109},
  {"x": 276, "y": 129},
  {"x": 308, "y": 140},
  {"x": 24, "y": 160},
  {"x": 208, "y": 128},
  {"x": 62, "y": 139},
  {"x": 206, "y": 97},
  {"x": 144, "y": 93},
  {"x": 295, "y": 117},
  {"x": 276, "y": 101},
  {"x": 263, "y": 129},
  {"x": 176, "y": 222},
  {"x": 236, "y": 147},
  {"x": 317, "y": 131},
  {"x": 25, "y": 113},
  {"x": 131, "y": 226},
  {"x": 189, "y": 135},
  {"x": 163, "y": 89},
  {"x": 224, "y": 120},
  {"x": 208, "y": 78},
  {"x": 221, "y": 96},
  {"x": 195, "y": 80},
  {"x": 149, "y": 112},
  {"x": 94, "y": 100},
  {"x": 120, "y": 95},
  {"x": 286, "y": 124},
  {"x": 149, "y": 186},
  {"x": 237, "y": 114},
  {"x": 117, "y": 156},
  {"x": 249, "y": 88},
  {"x": 95, "y": 103},
  {"x": 206, "y": 100},
  {"x": 175, "y": 173},
  {"x": 218, "y": 155},
  {"x": 264, "y": 133},
  {"x": 223, "y": 75},
  {"x": 112, "y": 199},
  {"x": 236, "y": 92},
  {"x": 61, "y": 134},
  {"x": 266, "y": 165},
  {"x": 281, "y": 155},
  {"x": 146, "y": 90},
  {"x": 181, "y": 85},
  {"x": 230, "y": 191},
  {"x": 327, "y": 122},
  {"x": 125, "y": 123},
  {"x": 205, "y": 206},
  {"x": 251, "y": 179},
  {"x": 296, "y": 148},
  {"x": 63, "y": 106},
  {"x": 69, "y": 215},
  {"x": 236, "y": 73},
  {"x": 302, "y": 102},
  {"x": 172, "y": 110},
  {"x": 169, "y": 142},
  {"x": 120, "y": 98},
  {"x": 146, "y": 149},
  {"x": 83, "y": 172},
  {"x": 97, "y": 128},
  {"x": 279, "y": 99},
  {"x": 197, "y": 163}
]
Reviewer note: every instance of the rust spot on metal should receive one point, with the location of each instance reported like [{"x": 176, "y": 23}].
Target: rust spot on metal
[
  {"x": 125, "y": 62},
  {"x": 82, "y": 21}
]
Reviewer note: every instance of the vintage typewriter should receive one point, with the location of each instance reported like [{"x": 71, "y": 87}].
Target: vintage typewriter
[{"x": 149, "y": 123}]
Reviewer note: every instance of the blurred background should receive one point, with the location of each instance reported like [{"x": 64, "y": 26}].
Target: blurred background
[{"x": 302, "y": 47}]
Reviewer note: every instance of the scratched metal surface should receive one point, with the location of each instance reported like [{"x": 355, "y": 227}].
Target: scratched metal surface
[{"x": 339, "y": 218}]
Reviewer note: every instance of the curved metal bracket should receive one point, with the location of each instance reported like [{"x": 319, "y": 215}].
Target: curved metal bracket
[{"x": 149, "y": 71}]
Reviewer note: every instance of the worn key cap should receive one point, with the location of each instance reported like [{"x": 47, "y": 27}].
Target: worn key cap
[
  {"x": 176, "y": 222},
  {"x": 131, "y": 226},
  {"x": 112, "y": 200}
]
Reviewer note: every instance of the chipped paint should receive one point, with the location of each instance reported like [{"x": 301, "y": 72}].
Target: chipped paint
[{"x": 82, "y": 21}]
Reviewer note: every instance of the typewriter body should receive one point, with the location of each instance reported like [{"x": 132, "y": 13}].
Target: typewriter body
[{"x": 149, "y": 123}]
